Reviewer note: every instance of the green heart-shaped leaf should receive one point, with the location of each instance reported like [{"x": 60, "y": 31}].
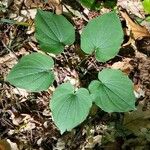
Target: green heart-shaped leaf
[
  {"x": 103, "y": 36},
  {"x": 69, "y": 108},
  {"x": 33, "y": 73},
  {"x": 146, "y": 4},
  {"x": 113, "y": 92},
  {"x": 53, "y": 31}
]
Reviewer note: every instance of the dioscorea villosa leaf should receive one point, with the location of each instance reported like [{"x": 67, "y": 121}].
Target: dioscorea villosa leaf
[
  {"x": 69, "y": 108},
  {"x": 53, "y": 31},
  {"x": 146, "y": 4},
  {"x": 113, "y": 92},
  {"x": 102, "y": 36},
  {"x": 33, "y": 72}
]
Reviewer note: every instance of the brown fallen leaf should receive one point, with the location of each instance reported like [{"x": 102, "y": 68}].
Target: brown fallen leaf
[
  {"x": 33, "y": 3},
  {"x": 136, "y": 31},
  {"x": 57, "y": 6},
  {"x": 123, "y": 65},
  {"x": 138, "y": 92},
  {"x": 132, "y": 6},
  {"x": 7, "y": 3},
  {"x": 12, "y": 145},
  {"x": 54, "y": 4},
  {"x": 4, "y": 145},
  {"x": 138, "y": 119}
]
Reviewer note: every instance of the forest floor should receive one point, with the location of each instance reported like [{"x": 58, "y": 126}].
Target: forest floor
[{"x": 25, "y": 118}]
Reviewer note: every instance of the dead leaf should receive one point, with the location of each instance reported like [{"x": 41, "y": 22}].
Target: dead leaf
[
  {"x": 70, "y": 11},
  {"x": 132, "y": 6},
  {"x": 39, "y": 141},
  {"x": 138, "y": 92},
  {"x": 123, "y": 65},
  {"x": 56, "y": 2},
  {"x": 46, "y": 113},
  {"x": 7, "y": 3},
  {"x": 30, "y": 13},
  {"x": 20, "y": 92},
  {"x": 4, "y": 145},
  {"x": 16, "y": 120},
  {"x": 57, "y": 6},
  {"x": 12, "y": 145},
  {"x": 33, "y": 3},
  {"x": 92, "y": 141},
  {"x": 60, "y": 144},
  {"x": 28, "y": 123},
  {"x": 138, "y": 119},
  {"x": 135, "y": 30}
]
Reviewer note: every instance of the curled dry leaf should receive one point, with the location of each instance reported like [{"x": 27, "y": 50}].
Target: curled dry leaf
[{"x": 136, "y": 31}]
